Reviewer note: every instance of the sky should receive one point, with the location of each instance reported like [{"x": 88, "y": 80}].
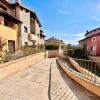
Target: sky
[{"x": 66, "y": 19}]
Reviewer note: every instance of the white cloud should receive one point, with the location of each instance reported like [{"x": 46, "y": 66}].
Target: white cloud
[
  {"x": 73, "y": 42},
  {"x": 79, "y": 35},
  {"x": 75, "y": 38},
  {"x": 66, "y": 37},
  {"x": 63, "y": 12}
]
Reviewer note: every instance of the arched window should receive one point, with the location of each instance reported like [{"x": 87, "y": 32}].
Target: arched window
[
  {"x": 93, "y": 39},
  {"x": 94, "y": 48},
  {"x": 88, "y": 48}
]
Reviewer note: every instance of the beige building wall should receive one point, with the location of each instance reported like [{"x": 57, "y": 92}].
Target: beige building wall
[
  {"x": 37, "y": 30},
  {"x": 41, "y": 41},
  {"x": 32, "y": 26},
  {"x": 8, "y": 33},
  {"x": 52, "y": 53},
  {"x": 24, "y": 16},
  {"x": 37, "y": 27}
]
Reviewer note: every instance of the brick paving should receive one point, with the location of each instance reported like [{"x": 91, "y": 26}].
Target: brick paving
[
  {"x": 58, "y": 89},
  {"x": 64, "y": 88},
  {"x": 33, "y": 83}
]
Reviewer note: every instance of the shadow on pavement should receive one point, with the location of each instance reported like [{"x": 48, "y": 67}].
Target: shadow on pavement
[{"x": 80, "y": 92}]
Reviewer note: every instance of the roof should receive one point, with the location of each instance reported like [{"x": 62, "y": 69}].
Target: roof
[
  {"x": 53, "y": 39},
  {"x": 32, "y": 12},
  {"x": 88, "y": 37},
  {"x": 92, "y": 30},
  {"x": 82, "y": 40},
  {"x": 5, "y": 1},
  {"x": 10, "y": 17},
  {"x": 42, "y": 35},
  {"x": 17, "y": 4}
]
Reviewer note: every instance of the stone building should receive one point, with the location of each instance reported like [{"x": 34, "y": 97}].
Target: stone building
[
  {"x": 9, "y": 28},
  {"x": 28, "y": 25},
  {"x": 31, "y": 27}
]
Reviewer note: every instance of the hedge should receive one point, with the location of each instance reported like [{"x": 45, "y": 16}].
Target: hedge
[{"x": 52, "y": 47}]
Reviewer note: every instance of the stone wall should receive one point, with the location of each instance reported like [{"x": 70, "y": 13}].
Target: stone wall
[
  {"x": 52, "y": 53},
  {"x": 24, "y": 16},
  {"x": 15, "y": 66}
]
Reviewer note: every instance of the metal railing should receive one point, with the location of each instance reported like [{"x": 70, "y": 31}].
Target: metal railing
[
  {"x": 89, "y": 68},
  {"x": 84, "y": 74}
]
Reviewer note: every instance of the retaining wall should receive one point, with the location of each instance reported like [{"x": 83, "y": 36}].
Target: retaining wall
[
  {"x": 12, "y": 67},
  {"x": 52, "y": 53},
  {"x": 88, "y": 85}
]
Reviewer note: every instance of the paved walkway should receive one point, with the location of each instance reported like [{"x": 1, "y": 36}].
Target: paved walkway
[
  {"x": 64, "y": 88},
  {"x": 33, "y": 83},
  {"x": 30, "y": 84},
  {"x": 59, "y": 90}
]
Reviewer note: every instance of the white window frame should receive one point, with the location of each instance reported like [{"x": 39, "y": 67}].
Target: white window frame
[
  {"x": 93, "y": 39},
  {"x": 94, "y": 48},
  {"x": 88, "y": 48}
]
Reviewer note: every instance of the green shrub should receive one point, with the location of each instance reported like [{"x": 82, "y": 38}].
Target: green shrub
[
  {"x": 77, "y": 53},
  {"x": 71, "y": 52},
  {"x": 28, "y": 51},
  {"x": 52, "y": 47},
  {"x": 42, "y": 47},
  {"x": 17, "y": 55},
  {"x": 6, "y": 57}
]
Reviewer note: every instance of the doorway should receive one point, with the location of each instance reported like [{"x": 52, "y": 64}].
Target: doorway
[{"x": 11, "y": 46}]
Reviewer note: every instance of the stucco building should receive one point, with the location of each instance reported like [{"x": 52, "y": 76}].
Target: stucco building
[
  {"x": 31, "y": 27},
  {"x": 23, "y": 22},
  {"x": 9, "y": 25},
  {"x": 91, "y": 43}
]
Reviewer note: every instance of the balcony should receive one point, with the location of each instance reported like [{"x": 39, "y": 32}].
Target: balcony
[{"x": 33, "y": 37}]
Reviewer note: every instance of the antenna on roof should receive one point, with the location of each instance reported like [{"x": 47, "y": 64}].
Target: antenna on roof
[{"x": 87, "y": 31}]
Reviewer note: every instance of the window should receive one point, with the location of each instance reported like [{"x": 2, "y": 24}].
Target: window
[
  {"x": 88, "y": 48},
  {"x": 25, "y": 29},
  {"x": 94, "y": 48},
  {"x": 93, "y": 39},
  {"x": 26, "y": 43}
]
